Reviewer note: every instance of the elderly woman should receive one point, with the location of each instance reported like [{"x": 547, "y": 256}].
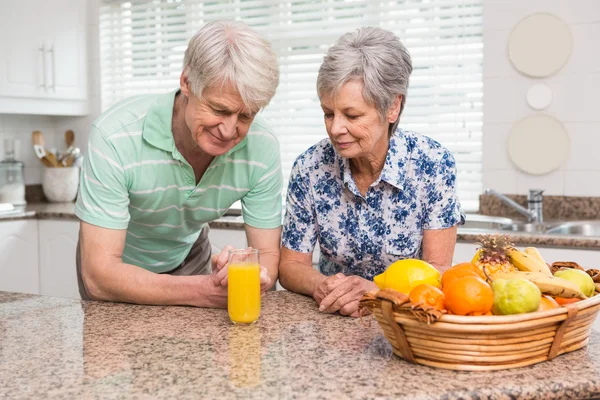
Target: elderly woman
[{"x": 371, "y": 193}]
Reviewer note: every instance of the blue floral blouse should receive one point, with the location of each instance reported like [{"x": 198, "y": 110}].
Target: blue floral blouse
[{"x": 362, "y": 235}]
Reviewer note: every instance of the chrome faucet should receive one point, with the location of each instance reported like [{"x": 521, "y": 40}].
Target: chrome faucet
[{"x": 534, "y": 210}]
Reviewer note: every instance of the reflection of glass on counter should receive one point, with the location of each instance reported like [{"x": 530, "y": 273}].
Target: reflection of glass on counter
[{"x": 244, "y": 355}]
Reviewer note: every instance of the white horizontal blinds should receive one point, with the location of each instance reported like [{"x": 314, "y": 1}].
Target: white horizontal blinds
[{"x": 142, "y": 45}]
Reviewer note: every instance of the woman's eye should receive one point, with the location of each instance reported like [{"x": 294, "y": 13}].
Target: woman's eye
[{"x": 351, "y": 117}]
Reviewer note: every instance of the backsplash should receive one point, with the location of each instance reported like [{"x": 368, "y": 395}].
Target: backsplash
[{"x": 555, "y": 207}]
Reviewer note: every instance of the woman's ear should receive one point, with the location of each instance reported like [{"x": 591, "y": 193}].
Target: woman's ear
[{"x": 394, "y": 110}]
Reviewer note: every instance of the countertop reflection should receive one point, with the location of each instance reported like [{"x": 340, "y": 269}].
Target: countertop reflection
[{"x": 60, "y": 348}]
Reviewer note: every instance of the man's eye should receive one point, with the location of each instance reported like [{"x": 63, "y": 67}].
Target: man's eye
[
  {"x": 328, "y": 116},
  {"x": 217, "y": 111}
]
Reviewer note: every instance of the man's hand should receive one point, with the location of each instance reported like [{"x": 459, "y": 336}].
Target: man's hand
[
  {"x": 219, "y": 266},
  {"x": 345, "y": 295}
]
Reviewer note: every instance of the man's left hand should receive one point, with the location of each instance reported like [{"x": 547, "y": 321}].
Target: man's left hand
[
  {"x": 219, "y": 263},
  {"x": 346, "y": 296}
]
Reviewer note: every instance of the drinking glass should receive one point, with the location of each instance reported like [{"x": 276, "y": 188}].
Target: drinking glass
[{"x": 243, "y": 292}]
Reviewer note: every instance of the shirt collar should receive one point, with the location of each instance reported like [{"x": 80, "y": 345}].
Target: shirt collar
[
  {"x": 396, "y": 163},
  {"x": 158, "y": 129}
]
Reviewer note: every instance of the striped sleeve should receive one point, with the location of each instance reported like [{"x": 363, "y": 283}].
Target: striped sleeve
[
  {"x": 103, "y": 198},
  {"x": 261, "y": 206}
]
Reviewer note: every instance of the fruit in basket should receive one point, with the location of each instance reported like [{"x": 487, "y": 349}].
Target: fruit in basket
[
  {"x": 468, "y": 295},
  {"x": 547, "y": 303},
  {"x": 580, "y": 278},
  {"x": 528, "y": 263},
  {"x": 404, "y": 275},
  {"x": 562, "y": 300},
  {"x": 515, "y": 296},
  {"x": 535, "y": 253},
  {"x": 552, "y": 285},
  {"x": 428, "y": 295},
  {"x": 492, "y": 255},
  {"x": 459, "y": 271}
]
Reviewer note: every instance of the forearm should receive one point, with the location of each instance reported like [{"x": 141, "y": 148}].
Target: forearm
[
  {"x": 128, "y": 283},
  {"x": 269, "y": 258},
  {"x": 299, "y": 277}
]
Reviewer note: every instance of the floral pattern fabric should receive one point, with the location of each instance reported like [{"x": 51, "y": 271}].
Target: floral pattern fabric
[{"x": 362, "y": 235}]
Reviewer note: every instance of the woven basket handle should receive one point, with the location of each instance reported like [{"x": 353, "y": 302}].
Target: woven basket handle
[
  {"x": 560, "y": 332},
  {"x": 388, "y": 313}
]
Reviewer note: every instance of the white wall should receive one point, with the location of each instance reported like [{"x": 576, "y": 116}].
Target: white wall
[
  {"x": 53, "y": 128},
  {"x": 576, "y": 90}
]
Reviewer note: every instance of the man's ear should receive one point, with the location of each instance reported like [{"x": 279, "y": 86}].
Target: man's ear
[
  {"x": 394, "y": 110},
  {"x": 184, "y": 84}
]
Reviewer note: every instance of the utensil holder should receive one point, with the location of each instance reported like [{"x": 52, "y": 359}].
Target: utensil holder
[{"x": 60, "y": 184}]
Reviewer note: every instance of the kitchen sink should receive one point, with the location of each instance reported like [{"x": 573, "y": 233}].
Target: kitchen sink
[
  {"x": 576, "y": 228},
  {"x": 590, "y": 228}
]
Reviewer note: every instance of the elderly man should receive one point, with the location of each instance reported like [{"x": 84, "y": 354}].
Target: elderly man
[{"x": 160, "y": 167}]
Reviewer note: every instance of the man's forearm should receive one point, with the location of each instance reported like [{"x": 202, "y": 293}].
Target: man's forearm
[{"x": 132, "y": 284}]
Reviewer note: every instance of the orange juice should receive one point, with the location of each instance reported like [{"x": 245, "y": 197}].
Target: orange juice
[{"x": 243, "y": 292}]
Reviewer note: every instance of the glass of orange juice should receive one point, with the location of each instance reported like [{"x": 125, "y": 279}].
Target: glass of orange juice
[{"x": 243, "y": 292}]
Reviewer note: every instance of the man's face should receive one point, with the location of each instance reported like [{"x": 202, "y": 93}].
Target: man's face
[{"x": 218, "y": 120}]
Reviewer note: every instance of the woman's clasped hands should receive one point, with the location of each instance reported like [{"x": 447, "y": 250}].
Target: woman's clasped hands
[{"x": 342, "y": 293}]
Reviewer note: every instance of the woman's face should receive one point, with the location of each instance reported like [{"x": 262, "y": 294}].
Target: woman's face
[{"x": 354, "y": 126}]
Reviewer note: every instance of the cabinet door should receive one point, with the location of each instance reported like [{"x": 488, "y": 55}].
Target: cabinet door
[
  {"x": 19, "y": 256},
  {"x": 58, "y": 243},
  {"x": 43, "y": 60},
  {"x": 23, "y": 70}
]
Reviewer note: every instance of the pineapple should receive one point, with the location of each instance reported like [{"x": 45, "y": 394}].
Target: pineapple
[{"x": 492, "y": 255}]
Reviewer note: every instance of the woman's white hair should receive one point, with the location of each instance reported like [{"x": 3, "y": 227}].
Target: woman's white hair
[
  {"x": 376, "y": 58},
  {"x": 229, "y": 52}
]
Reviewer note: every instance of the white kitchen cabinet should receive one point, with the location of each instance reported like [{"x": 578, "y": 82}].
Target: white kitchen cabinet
[
  {"x": 58, "y": 244},
  {"x": 19, "y": 256},
  {"x": 43, "y": 62}
]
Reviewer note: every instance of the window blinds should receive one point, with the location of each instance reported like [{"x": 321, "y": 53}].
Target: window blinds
[{"x": 142, "y": 44}]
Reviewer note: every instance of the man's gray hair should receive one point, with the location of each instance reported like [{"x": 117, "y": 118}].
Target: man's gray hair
[
  {"x": 227, "y": 51},
  {"x": 376, "y": 58}
]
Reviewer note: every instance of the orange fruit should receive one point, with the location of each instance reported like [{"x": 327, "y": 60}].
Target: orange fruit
[
  {"x": 428, "y": 295},
  {"x": 459, "y": 271},
  {"x": 468, "y": 295},
  {"x": 562, "y": 301},
  {"x": 547, "y": 303}
]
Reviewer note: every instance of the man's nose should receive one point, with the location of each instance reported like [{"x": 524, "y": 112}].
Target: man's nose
[{"x": 228, "y": 126}]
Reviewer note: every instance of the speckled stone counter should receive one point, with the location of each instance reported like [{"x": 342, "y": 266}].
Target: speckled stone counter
[{"x": 59, "y": 348}]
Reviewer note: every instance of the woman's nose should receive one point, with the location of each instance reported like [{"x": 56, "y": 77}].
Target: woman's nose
[{"x": 338, "y": 126}]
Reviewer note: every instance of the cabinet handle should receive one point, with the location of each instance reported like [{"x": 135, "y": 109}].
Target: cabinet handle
[
  {"x": 53, "y": 65},
  {"x": 43, "y": 50}
]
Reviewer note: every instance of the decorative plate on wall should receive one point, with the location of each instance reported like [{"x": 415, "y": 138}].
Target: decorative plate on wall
[
  {"x": 538, "y": 144},
  {"x": 539, "y": 96},
  {"x": 540, "y": 45}
]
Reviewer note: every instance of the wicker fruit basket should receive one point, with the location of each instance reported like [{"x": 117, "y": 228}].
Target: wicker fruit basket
[{"x": 480, "y": 343}]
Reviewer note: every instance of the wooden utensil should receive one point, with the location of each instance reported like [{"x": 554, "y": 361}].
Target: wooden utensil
[
  {"x": 41, "y": 153},
  {"x": 69, "y": 138},
  {"x": 37, "y": 138}
]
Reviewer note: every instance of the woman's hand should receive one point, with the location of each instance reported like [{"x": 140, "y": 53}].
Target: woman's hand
[
  {"x": 345, "y": 294},
  {"x": 326, "y": 286}
]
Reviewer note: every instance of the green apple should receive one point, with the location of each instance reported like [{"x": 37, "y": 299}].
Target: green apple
[
  {"x": 579, "y": 277},
  {"x": 515, "y": 296}
]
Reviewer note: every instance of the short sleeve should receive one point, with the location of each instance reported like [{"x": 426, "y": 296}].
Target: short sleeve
[
  {"x": 103, "y": 197},
  {"x": 442, "y": 208},
  {"x": 300, "y": 222},
  {"x": 261, "y": 206}
]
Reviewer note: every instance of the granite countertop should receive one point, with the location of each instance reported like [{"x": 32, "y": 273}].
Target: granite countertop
[{"x": 61, "y": 348}]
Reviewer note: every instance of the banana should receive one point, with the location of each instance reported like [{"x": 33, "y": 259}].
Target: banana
[
  {"x": 547, "y": 284},
  {"x": 534, "y": 252},
  {"x": 527, "y": 263},
  {"x": 597, "y": 287}
]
